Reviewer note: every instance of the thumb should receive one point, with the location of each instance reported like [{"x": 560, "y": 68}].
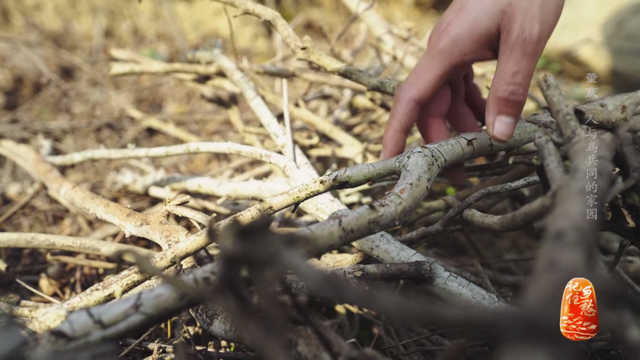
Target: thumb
[{"x": 510, "y": 88}]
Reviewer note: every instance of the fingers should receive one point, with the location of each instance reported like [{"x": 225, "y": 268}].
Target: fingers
[
  {"x": 423, "y": 82},
  {"x": 432, "y": 125},
  {"x": 432, "y": 121},
  {"x": 463, "y": 120},
  {"x": 460, "y": 115},
  {"x": 510, "y": 87},
  {"x": 473, "y": 97}
]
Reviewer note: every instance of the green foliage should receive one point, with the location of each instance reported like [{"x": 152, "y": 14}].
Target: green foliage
[
  {"x": 546, "y": 64},
  {"x": 287, "y": 14}
]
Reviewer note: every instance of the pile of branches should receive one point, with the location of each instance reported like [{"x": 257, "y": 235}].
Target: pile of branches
[{"x": 248, "y": 280}]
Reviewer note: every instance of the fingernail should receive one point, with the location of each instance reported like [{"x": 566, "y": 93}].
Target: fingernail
[{"x": 503, "y": 127}]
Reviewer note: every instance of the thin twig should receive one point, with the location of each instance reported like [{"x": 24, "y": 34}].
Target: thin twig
[
  {"x": 38, "y": 292},
  {"x": 32, "y": 192},
  {"x": 231, "y": 34},
  {"x": 135, "y": 343},
  {"x": 287, "y": 121}
]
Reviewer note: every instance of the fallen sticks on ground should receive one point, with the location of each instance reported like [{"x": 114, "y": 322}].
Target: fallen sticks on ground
[
  {"x": 392, "y": 209},
  {"x": 76, "y": 197},
  {"x": 305, "y": 50}
]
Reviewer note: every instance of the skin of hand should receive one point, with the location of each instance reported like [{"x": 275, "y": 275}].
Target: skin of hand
[{"x": 440, "y": 88}]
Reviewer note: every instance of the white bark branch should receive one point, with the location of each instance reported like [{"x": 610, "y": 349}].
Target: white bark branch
[
  {"x": 249, "y": 189},
  {"x": 165, "y": 151},
  {"x": 395, "y": 207},
  {"x": 69, "y": 243}
]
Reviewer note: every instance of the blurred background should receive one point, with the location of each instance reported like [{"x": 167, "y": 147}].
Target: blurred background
[{"x": 43, "y": 43}]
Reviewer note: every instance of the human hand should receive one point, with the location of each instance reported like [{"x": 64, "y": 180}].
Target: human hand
[{"x": 440, "y": 88}]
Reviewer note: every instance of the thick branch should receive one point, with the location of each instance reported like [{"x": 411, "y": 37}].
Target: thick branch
[
  {"x": 418, "y": 168},
  {"x": 404, "y": 199},
  {"x": 119, "y": 318}
]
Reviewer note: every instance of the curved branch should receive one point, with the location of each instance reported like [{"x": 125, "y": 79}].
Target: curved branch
[
  {"x": 525, "y": 215},
  {"x": 441, "y": 225},
  {"x": 418, "y": 167},
  {"x": 69, "y": 243}
]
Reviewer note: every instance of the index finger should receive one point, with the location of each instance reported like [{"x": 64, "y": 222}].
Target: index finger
[{"x": 426, "y": 78}]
